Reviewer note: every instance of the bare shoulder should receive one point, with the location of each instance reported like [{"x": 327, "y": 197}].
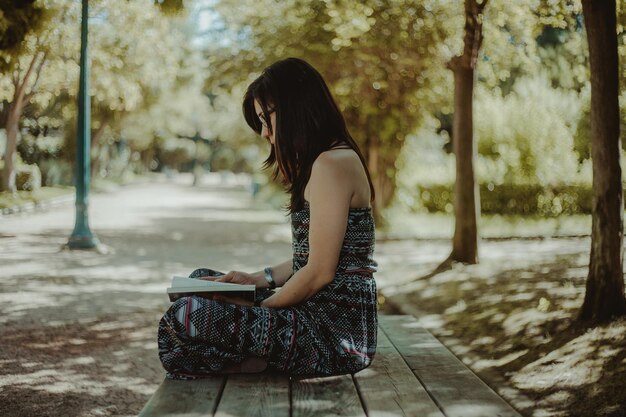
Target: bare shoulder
[
  {"x": 336, "y": 159},
  {"x": 342, "y": 168},
  {"x": 338, "y": 165}
]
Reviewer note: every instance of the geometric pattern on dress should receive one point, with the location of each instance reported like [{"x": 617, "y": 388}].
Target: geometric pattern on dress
[{"x": 333, "y": 332}]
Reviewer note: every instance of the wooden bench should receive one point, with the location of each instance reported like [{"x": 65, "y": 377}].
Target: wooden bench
[{"x": 413, "y": 374}]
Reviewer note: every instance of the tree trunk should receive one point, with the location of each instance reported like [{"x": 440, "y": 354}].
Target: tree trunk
[
  {"x": 466, "y": 194},
  {"x": 604, "y": 295},
  {"x": 12, "y": 124},
  {"x": 20, "y": 98}
]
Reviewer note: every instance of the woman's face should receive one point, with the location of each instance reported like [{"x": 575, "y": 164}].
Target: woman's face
[{"x": 267, "y": 124}]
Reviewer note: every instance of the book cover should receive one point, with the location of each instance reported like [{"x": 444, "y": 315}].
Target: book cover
[{"x": 184, "y": 287}]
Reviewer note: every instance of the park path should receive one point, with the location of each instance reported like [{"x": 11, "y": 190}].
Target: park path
[{"x": 78, "y": 328}]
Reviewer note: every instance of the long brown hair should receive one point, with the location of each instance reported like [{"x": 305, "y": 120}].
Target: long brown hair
[{"x": 308, "y": 122}]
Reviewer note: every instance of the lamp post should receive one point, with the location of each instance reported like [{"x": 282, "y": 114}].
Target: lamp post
[{"x": 81, "y": 237}]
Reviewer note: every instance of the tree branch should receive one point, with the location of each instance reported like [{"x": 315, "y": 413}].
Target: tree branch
[
  {"x": 16, "y": 74},
  {"x": 38, "y": 73},
  {"x": 481, "y": 6},
  {"x": 20, "y": 89},
  {"x": 473, "y": 34}
]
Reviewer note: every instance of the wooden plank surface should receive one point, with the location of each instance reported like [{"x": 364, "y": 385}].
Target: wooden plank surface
[
  {"x": 196, "y": 398},
  {"x": 255, "y": 395},
  {"x": 456, "y": 389},
  {"x": 325, "y": 397},
  {"x": 388, "y": 387}
]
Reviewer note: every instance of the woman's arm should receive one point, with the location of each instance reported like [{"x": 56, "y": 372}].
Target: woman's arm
[
  {"x": 280, "y": 273},
  {"x": 331, "y": 190}
]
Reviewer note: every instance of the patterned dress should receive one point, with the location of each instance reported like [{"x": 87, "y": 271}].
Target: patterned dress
[{"x": 333, "y": 332}]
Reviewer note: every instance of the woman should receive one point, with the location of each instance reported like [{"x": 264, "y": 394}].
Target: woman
[{"x": 323, "y": 320}]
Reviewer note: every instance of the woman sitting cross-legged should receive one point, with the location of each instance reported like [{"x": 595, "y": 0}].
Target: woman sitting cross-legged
[{"x": 323, "y": 320}]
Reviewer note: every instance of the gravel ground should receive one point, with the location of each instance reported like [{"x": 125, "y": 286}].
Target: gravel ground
[{"x": 78, "y": 328}]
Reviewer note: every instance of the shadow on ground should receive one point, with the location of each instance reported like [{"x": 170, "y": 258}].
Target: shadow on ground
[
  {"x": 104, "y": 367},
  {"x": 78, "y": 328},
  {"x": 518, "y": 324}
]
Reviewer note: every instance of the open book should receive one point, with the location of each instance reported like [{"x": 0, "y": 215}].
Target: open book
[{"x": 184, "y": 287}]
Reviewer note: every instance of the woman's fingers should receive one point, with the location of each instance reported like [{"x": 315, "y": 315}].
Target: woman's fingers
[
  {"x": 235, "y": 277},
  {"x": 208, "y": 278},
  {"x": 225, "y": 278}
]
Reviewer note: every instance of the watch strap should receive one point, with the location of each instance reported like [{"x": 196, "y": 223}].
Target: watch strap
[{"x": 269, "y": 277}]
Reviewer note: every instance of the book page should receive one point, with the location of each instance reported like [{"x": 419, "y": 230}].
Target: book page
[
  {"x": 182, "y": 286},
  {"x": 192, "y": 283}
]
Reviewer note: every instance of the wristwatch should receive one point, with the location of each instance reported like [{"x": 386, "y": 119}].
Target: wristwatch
[{"x": 269, "y": 278}]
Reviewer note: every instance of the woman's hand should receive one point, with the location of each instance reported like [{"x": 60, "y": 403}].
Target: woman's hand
[{"x": 238, "y": 277}]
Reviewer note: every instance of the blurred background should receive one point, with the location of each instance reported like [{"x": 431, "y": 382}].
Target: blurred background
[{"x": 167, "y": 79}]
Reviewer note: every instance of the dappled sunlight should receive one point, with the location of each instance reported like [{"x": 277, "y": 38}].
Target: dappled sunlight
[
  {"x": 514, "y": 315},
  {"x": 430, "y": 321},
  {"x": 79, "y": 362},
  {"x": 401, "y": 261},
  {"x": 579, "y": 362},
  {"x": 16, "y": 304},
  {"x": 525, "y": 322},
  {"x": 82, "y": 360},
  {"x": 482, "y": 364},
  {"x": 315, "y": 404},
  {"x": 242, "y": 215},
  {"x": 54, "y": 381},
  {"x": 459, "y": 307},
  {"x": 83, "y": 324},
  {"x": 140, "y": 261},
  {"x": 90, "y": 319},
  {"x": 472, "y": 409}
]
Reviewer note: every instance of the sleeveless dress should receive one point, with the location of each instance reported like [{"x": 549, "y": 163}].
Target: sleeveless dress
[{"x": 333, "y": 332}]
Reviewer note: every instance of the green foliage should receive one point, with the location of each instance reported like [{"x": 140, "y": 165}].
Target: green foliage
[
  {"x": 582, "y": 137},
  {"x": 33, "y": 149},
  {"x": 56, "y": 172},
  {"x": 508, "y": 50},
  {"x": 565, "y": 61},
  {"x": 562, "y": 14},
  {"x": 170, "y": 7},
  {"x": 8, "y": 200},
  {"x": 528, "y": 161},
  {"x": 514, "y": 199},
  {"x": 175, "y": 152},
  {"x": 145, "y": 82},
  {"x": 384, "y": 60},
  {"x": 17, "y": 19},
  {"x": 527, "y": 136},
  {"x": 28, "y": 178}
]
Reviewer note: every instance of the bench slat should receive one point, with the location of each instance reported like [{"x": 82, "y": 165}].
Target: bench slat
[
  {"x": 255, "y": 395},
  {"x": 196, "y": 398},
  {"x": 455, "y": 388},
  {"x": 388, "y": 387},
  {"x": 328, "y": 396},
  {"x": 413, "y": 374}
]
